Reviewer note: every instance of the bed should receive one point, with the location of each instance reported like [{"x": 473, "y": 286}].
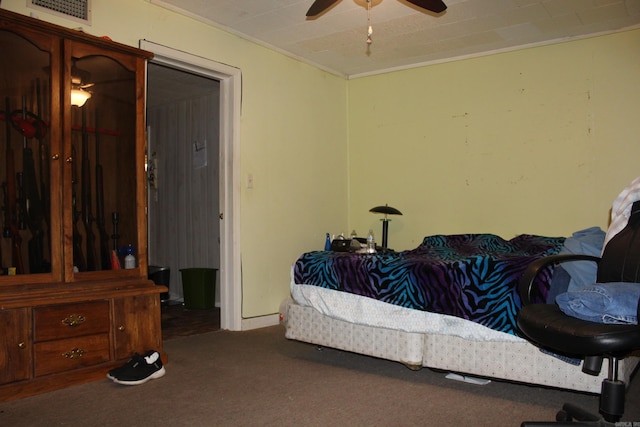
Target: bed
[{"x": 450, "y": 304}]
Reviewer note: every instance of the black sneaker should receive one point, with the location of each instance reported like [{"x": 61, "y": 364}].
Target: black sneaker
[
  {"x": 112, "y": 374},
  {"x": 138, "y": 370}
]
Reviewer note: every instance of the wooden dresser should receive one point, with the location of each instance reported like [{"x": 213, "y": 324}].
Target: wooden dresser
[{"x": 72, "y": 170}]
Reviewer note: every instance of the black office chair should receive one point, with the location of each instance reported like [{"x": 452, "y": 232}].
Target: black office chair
[{"x": 547, "y": 326}]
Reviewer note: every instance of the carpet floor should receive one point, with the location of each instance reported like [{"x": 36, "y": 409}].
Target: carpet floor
[{"x": 259, "y": 378}]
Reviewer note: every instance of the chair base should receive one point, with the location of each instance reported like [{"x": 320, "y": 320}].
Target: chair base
[
  {"x": 612, "y": 399},
  {"x": 574, "y": 416},
  {"x": 611, "y": 405}
]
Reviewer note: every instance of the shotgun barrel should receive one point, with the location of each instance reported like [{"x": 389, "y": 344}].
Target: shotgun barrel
[
  {"x": 87, "y": 216},
  {"x": 11, "y": 205},
  {"x": 44, "y": 170},
  {"x": 105, "y": 253},
  {"x": 78, "y": 256},
  {"x": 31, "y": 206}
]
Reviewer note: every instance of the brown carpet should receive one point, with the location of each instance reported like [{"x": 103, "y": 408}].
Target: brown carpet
[{"x": 258, "y": 378}]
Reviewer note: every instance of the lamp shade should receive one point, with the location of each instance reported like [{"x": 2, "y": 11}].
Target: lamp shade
[{"x": 386, "y": 209}]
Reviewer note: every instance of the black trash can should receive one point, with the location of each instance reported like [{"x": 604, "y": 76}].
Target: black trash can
[
  {"x": 199, "y": 287},
  {"x": 160, "y": 276}
]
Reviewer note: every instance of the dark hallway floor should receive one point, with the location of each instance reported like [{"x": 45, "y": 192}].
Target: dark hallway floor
[{"x": 179, "y": 322}]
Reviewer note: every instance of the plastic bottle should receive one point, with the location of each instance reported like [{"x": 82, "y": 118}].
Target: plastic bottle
[
  {"x": 354, "y": 234},
  {"x": 371, "y": 243},
  {"x": 327, "y": 243},
  {"x": 130, "y": 259}
]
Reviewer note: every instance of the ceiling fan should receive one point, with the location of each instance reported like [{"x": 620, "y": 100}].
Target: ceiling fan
[{"x": 320, "y": 6}]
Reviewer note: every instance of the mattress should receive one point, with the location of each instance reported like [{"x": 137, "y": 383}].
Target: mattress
[
  {"x": 306, "y": 324},
  {"x": 469, "y": 276},
  {"x": 359, "y": 310},
  {"x": 512, "y": 360},
  {"x": 450, "y": 305}
]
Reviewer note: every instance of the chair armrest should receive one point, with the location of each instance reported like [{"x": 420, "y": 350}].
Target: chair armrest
[{"x": 529, "y": 275}]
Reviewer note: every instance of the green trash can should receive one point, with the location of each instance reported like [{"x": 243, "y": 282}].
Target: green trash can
[{"x": 199, "y": 287}]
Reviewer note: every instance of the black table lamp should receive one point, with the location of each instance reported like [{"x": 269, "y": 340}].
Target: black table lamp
[{"x": 386, "y": 210}]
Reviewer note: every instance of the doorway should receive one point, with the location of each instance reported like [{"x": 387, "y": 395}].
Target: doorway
[
  {"x": 195, "y": 102},
  {"x": 183, "y": 179}
]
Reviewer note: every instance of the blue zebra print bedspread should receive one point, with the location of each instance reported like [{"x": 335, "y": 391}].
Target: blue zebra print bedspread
[{"x": 472, "y": 276}]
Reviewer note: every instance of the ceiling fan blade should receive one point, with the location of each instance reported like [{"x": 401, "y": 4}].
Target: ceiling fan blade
[
  {"x": 436, "y": 6},
  {"x": 320, "y": 6}
]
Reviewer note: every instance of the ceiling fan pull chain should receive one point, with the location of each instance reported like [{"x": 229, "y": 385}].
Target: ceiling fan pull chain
[{"x": 370, "y": 29}]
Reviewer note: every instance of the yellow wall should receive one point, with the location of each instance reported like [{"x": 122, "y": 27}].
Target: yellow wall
[
  {"x": 293, "y": 139},
  {"x": 535, "y": 141}
]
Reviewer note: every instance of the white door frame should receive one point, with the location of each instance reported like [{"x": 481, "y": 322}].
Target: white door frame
[{"x": 230, "y": 108}]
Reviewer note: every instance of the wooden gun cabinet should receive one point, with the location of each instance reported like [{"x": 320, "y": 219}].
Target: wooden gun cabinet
[{"x": 73, "y": 180}]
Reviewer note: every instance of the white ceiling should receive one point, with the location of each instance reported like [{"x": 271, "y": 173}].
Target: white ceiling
[{"x": 403, "y": 34}]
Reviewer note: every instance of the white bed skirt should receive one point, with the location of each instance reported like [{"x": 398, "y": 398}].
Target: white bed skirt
[{"x": 507, "y": 359}]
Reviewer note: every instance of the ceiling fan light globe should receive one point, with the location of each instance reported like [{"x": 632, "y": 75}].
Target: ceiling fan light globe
[{"x": 79, "y": 97}]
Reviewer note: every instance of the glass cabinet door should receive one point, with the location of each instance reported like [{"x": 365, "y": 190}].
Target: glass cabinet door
[
  {"x": 100, "y": 142},
  {"x": 72, "y": 178},
  {"x": 29, "y": 147}
]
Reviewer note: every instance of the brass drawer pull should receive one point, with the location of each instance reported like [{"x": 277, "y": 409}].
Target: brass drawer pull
[
  {"x": 74, "y": 320},
  {"x": 76, "y": 353}
]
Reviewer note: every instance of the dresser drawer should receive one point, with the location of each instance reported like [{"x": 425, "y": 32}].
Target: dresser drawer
[
  {"x": 70, "y": 320},
  {"x": 71, "y": 353}
]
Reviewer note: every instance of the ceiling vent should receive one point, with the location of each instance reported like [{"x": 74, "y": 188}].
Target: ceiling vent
[{"x": 79, "y": 10}]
